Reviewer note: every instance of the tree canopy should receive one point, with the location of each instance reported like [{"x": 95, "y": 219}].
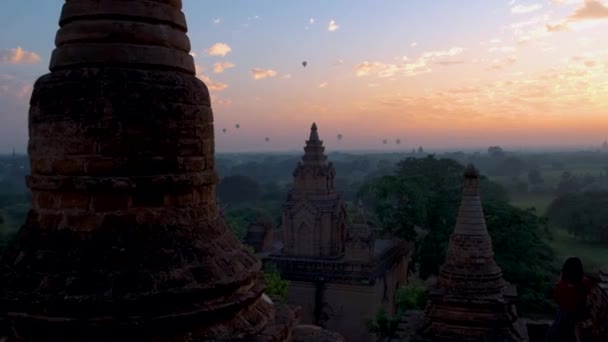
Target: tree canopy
[
  {"x": 426, "y": 193},
  {"x": 582, "y": 214},
  {"x": 238, "y": 189}
]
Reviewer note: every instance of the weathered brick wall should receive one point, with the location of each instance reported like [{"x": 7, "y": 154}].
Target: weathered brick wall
[{"x": 598, "y": 300}]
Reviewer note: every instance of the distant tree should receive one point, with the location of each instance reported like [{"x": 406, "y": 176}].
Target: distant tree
[
  {"x": 568, "y": 184},
  {"x": 496, "y": 151},
  {"x": 534, "y": 177},
  {"x": 238, "y": 189},
  {"x": 511, "y": 167},
  {"x": 239, "y": 218},
  {"x": 582, "y": 214},
  {"x": 588, "y": 179},
  {"x": 271, "y": 191}
]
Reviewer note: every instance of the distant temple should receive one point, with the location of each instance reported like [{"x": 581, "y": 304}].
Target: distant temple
[
  {"x": 470, "y": 301},
  {"x": 339, "y": 274}
]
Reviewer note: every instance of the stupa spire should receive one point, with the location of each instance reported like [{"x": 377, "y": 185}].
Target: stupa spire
[
  {"x": 470, "y": 264},
  {"x": 471, "y": 301},
  {"x": 124, "y": 240}
]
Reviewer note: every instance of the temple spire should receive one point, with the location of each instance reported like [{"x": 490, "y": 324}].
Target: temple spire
[
  {"x": 314, "y": 151},
  {"x": 314, "y": 135}
]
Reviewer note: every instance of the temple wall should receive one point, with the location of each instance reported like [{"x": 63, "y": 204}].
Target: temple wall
[{"x": 348, "y": 306}]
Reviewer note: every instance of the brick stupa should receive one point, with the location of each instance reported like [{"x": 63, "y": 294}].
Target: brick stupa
[
  {"x": 124, "y": 241},
  {"x": 471, "y": 301}
]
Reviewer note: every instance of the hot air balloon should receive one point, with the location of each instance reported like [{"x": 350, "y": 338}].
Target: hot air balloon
[
  {"x": 339, "y": 136},
  {"x": 267, "y": 139},
  {"x": 384, "y": 141},
  {"x": 398, "y": 141},
  {"x": 224, "y": 130},
  {"x": 304, "y": 64},
  {"x": 237, "y": 126}
]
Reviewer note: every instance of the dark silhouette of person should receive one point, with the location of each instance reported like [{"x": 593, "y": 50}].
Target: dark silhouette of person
[{"x": 570, "y": 295}]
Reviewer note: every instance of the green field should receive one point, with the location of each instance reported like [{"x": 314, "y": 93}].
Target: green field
[
  {"x": 539, "y": 201},
  {"x": 565, "y": 245},
  {"x": 593, "y": 255}
]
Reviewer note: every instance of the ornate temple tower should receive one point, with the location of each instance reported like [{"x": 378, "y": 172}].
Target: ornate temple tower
[
  {"x": 314, "y": 215},
  {"x": 471, "y": 301},
  {"x": 124, "y": 240},
  {"x": 360, "y": 238}
]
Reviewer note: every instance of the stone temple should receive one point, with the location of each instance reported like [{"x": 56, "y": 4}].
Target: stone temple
[
  {"x": 339, "y": 274},
  {"x": 124, "y": 240},
  {"x": 470, "y": 301}
]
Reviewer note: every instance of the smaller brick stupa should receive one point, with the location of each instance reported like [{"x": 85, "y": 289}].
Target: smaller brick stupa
[{"x": 471, "y": 301}]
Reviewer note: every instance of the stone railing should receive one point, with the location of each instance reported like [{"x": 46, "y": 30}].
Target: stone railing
[
  {"x": 338, "y": 271},
  {"x": 598, "y": 301}
]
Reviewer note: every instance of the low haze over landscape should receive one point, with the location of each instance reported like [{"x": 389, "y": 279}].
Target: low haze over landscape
[{"x": 440, "y": 74}]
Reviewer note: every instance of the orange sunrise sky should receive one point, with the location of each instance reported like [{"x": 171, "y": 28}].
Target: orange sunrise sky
[{"x": 444, "y": 74}]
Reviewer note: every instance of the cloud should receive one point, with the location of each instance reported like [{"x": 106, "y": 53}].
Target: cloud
[
  {"x": 502, "y": 49},
  {"x": 591, "y": 9},
  {"x": 557, "y": 27},
  {"x": 220, "y": 67},
  {"x": 565, "y": 2},
  {"x": 311, "y": 21},
  {"x": 332, "y": 26},
  {"x": 14, "y": 89},
  {"x": 448, "y": 63},
  {"x": 408, "y": 67},
  {"x": 193, "y": 54},
  {"x": 217, "y": 21},
  {"x": 211, "y": 84},
  {"x": 219, "y": 49},
  {"x": 323, "y": 85},
  {"x": 414, "y": 44},
  {"x": 220, "y": 102},
  {"x": 18, "y": 56},
  {"x": 499, "y": 64},
  {"x": 524, "y": 9},
  {"x": 286, "y": 76},
  {"x": 339, "y": 62},
  {"x": 258, "y": 73}
]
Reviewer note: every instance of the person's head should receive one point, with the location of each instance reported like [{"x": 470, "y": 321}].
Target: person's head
[{"x": 572, "y": 271}]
